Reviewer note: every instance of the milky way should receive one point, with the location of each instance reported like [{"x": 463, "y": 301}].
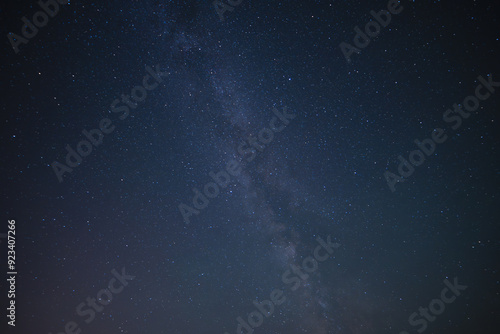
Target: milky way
[{"x": 248, "y": 192}]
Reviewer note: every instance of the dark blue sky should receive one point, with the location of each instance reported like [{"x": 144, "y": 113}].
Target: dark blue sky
[{"x": 113, "y": 226}]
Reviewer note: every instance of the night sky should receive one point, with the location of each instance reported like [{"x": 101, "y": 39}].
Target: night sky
[{"x": 244, "y": 167}]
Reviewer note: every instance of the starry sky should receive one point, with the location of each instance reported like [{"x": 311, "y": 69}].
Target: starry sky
[{"x": 136, "y": 228}]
